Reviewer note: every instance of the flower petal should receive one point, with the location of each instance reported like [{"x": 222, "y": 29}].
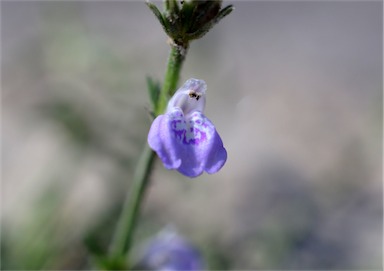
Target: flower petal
[
  {"x": 159, "y": 139},
  {"x": 188, "y": 143}
]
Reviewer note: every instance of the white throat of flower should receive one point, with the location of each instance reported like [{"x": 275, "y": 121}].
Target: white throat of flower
[{"x": 190, "y": 97}]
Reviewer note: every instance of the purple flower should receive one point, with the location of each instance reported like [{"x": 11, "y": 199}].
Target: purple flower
[
  {"x": 169, "y": 251},
  {"x": 183, "y": 137}
]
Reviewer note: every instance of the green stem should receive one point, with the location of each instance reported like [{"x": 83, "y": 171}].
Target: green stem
[
  {"x": 122, "y": 239},
  {"x": 128, "y": 220},
  {"x": 175, "y": 63}
]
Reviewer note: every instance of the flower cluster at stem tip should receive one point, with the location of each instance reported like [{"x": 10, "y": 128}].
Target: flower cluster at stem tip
[
  {"x": 188, "y": 20},
  {"x": 184, "y": 138}
]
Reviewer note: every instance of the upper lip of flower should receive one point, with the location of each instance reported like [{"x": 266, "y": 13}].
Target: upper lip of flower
[{"x": 190, "y": 97}]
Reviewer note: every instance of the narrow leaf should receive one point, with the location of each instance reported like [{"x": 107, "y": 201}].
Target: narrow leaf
[
  {"x": 224, "y": 12},
  {"x": 153, "y": 90},
  {"x": 172, "y": 7},
  {"x": 205, "y": 28},
  {"x": 159, "y": 16}
]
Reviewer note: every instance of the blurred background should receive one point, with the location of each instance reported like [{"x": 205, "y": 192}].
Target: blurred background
[{"x": 294, "y": 89}]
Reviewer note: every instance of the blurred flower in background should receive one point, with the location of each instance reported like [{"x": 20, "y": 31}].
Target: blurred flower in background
[{"x": 170, "y": 251}]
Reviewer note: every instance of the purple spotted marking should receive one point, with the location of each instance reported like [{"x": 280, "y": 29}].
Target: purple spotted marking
[{"x": 194, "y": 133}]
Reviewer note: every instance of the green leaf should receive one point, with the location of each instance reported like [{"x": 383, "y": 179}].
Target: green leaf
[
  {"x": 186, "y": 15},
  {"x": 172, "y": 7},
  {"x": 153, "y": 90},
  {"x": 224, "y": 12},
  {"x": 202, "y": 30},
  {"x": 163, "y": 21}
]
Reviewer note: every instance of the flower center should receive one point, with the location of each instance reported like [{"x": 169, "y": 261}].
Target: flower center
[{"x": 190, "y": 131}]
